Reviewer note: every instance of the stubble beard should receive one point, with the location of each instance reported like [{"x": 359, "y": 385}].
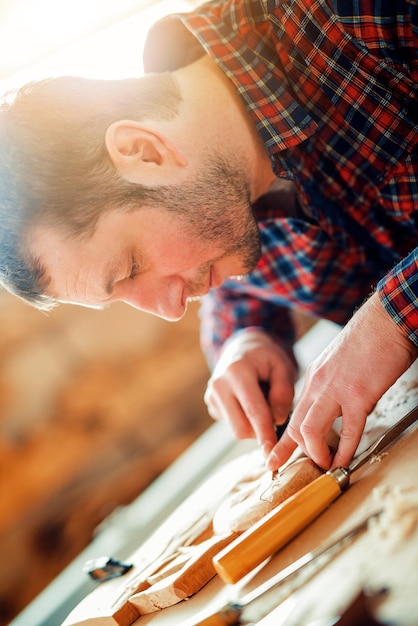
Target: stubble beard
[{"x": 215, "y": 208}]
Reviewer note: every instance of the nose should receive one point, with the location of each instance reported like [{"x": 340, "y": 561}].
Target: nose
[{"x": 163, "y": 298}]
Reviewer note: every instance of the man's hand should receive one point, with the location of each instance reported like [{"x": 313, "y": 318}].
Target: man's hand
[
  {"x": 346, "y": 380},
  {"x": 234, "y": 392}
]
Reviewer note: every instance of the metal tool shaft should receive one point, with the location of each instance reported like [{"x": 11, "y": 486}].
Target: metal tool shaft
[
  {"x": 231, "y": 613},
  {"x": 293, "y": 568},
  {"x": 387, "y": 437}
]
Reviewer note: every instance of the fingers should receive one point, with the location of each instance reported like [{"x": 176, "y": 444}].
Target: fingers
[
  {"x": 234, "y": 393},
  {"x": 281, "y": 395},
  {"x": 227, "y": 408},
  {"x": 351, "y": 432},
  {"x": 309, "y": 427},
  {"x": 281, "y": 452},
  {"x": 243, "y": 405},
  {"x": 256, "y": 409},
  {"x": 309, "y": 431}
]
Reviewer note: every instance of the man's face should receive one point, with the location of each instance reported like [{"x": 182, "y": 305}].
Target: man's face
[{"x": 153, "y": 259}]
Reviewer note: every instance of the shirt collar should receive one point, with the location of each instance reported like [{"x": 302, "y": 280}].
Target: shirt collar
[{"x": 178, "y": 40}]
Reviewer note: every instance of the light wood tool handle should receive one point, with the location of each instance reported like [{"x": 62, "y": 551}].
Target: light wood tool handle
[{"x": 276, "y": 529}]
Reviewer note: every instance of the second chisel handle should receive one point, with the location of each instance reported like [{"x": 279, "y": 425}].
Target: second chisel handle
[{"x": 276, "y": 529}]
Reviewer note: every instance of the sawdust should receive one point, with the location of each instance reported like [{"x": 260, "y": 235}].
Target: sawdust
[{"x": 399, "y": 519}]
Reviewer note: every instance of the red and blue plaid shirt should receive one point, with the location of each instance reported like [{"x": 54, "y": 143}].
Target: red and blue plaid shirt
[{"x": 332, "y": 89}]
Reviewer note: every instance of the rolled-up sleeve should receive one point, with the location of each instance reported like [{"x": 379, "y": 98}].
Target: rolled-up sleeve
[
  {"x": 398, "y": 292},
  {"x": 227, "y": 310}
]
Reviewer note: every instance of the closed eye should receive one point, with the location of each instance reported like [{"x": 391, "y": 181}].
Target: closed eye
[{"x": 134, "y": 268}]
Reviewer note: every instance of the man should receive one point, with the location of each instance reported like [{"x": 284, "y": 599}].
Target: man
[{"x": 158, "y": 190}]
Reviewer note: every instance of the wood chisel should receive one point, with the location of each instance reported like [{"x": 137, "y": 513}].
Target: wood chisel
[
  {"x": 279, "y": 428},
  {"x": 288, "y": 519},
  {"x": 234, "y": 612}
]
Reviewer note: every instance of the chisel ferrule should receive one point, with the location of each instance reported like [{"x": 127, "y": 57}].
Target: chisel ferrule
[{"x": 342, "y": 477}]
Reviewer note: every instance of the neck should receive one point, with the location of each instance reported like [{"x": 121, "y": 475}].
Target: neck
[{"x": 216, "y": 116}]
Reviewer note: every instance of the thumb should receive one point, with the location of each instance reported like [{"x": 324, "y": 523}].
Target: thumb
[{"x": 281, "y": 452}]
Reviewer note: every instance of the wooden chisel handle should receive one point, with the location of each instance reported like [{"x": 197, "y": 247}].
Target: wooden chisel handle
[{"x": 279, "y": 526}]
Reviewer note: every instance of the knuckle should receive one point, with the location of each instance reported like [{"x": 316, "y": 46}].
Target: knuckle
[
  {"x": 348, "y": 432},
  {"x": 209, "y": 399},
  {"x": 293, "y": 432},
  {"x": 214, "y": 388},
  {"x": 252, "y": 409},
  {"x": 308, "y": 429}
]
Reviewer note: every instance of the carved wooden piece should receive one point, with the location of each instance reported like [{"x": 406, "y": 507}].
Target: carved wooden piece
[{"x": 176, "y": 561}]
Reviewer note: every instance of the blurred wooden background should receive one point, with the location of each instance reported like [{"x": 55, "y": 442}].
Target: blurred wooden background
[{"x": 93, "y": 407}]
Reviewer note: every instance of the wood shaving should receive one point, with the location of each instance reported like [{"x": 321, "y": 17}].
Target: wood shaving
[
  {"x": 399, "y": 519},
  {"x": 376, "y": 458}
]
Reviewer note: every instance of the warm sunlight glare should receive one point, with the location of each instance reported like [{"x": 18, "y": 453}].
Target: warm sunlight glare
[{"x": 114, "y": 51}]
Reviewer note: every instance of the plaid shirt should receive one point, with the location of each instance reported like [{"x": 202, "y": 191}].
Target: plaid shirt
[{"x": 332, "y": 89}]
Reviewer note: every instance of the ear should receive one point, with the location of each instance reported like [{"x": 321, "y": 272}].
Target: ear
[{"x": 141, "y": 154}]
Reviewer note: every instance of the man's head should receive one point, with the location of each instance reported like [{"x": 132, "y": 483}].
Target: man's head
[
  {"x": 54, "y": 166},
  {"x": 69, "y": 155}
]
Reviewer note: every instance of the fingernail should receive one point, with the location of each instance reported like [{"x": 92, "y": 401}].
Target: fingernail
[
  {"x": 272, "y": 462},
  {"x": 280, "y": 412}
]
